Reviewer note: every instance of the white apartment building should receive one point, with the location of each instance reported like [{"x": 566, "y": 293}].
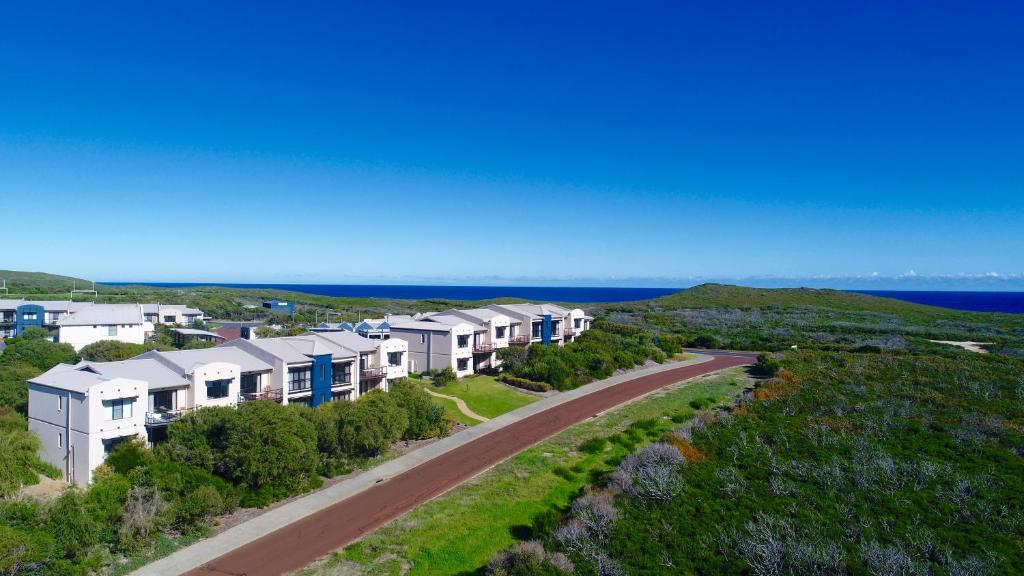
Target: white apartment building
[
  {"x": 123, "y": 322},
  {"x": 491, "y": 332},
  {"x": 81, "y": 412},
  {"x": 544, "y": 323},
  {"x": 171, "y": 314},
  {"x": 435, "y": 345}
]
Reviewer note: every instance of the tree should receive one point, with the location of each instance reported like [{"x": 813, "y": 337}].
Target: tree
[
  {"x": 112, "y": 350},
  {"x": 13, "y": 386},
  {"x": 18, "y": 449},
  {"x": 73, "y": 531},
  {"x": 371, "y": 424},
  {"x": 767, "y": 364},
  {"x": 445, "y": 377},
  {"x": 271, "y": 448},
  {"x": 426, "y": 418},
  {"x": 200, "y": 439},
  {"x": 34, "y": 349}
]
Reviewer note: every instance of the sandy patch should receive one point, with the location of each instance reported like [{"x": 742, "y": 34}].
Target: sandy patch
[{"x": 966, "y": 345}]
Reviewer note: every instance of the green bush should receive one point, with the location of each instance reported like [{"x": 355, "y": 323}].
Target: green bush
[
  {"x": 33, "y": 348},
  {"x": 128, "y": 456},
  {"x": 594, "y": 445},
  {"x": 368, "y": 426},
  {"x": 445, "y": 377},
  {"x": 767, "y": 364},
  {"x": 200, "y": 438},
  {"x": 525, "y": 384},
  {"x": 112, "y": 351},
  {"x": 426, "y": 418}
]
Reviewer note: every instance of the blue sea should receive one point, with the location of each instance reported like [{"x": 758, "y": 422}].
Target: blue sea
[{"x": 973, "y": 301}]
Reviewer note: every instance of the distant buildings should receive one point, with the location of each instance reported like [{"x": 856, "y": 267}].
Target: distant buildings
[
  {"x": 82, "y": 323},
  {"x": 81, "y": 412},
  {"x": 280, "y": 307}
]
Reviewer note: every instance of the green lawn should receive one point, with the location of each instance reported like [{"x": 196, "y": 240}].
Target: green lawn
[
  {"x": 485, "y": 396},
  {"x": 458, "y": 532},
  {"x": 454, "y": 411}
]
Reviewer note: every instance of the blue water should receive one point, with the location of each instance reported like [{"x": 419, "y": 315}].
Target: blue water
[
  {"x": 972, "y": 301},
  {"x": 545, "y": 293}
]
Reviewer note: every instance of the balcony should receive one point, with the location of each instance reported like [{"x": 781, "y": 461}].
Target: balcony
[
  {"x": 570, "y": 332},
  {"x": 166, "y": 417},
  {"x": 372, "y": 373},
  {"x": 484, "y": 348},
  {"x": 519, "y": 340},
  {"x": 7, "y": 320},
  {"x": 272, "y": 395}
]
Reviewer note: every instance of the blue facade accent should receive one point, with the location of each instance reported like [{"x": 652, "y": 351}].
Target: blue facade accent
[
  {"x": 280, "y": 307},
  {"x": 346, "y": 327},
  {"x": 545, "y": 329},
  {"x": 28, "y": 316},
  {"x": 323, "y": 374}
]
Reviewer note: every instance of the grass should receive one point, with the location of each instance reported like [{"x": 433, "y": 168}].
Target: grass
[
  {"x": 458, "y": 532},
  {"x": 485, "y": 396},
  {"x": 452, "y": 410}
]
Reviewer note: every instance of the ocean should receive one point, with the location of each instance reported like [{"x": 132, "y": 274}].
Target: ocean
[{"x": 973, "y": 301}]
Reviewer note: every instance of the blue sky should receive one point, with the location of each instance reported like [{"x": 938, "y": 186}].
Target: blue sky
[{"x": 563, "y": 142}]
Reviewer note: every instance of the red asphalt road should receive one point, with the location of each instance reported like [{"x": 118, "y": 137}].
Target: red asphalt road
[{"x": 300, "y": 543}]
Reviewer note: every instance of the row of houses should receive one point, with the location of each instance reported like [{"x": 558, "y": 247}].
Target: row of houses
[
  {"x": 467, "y": 341},
  {"x": 80, "y": 412},
  {"x": 82, "y": 323}
]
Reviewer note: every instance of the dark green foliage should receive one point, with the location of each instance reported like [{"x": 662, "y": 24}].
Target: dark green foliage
[
  {"x": 129, "y": 455},
  {"x": 528, "y": 559},
  {"x": 444, "y": 377},
  {"x": 19, "y": 462},
  {"x": 855, "y": 463},
  {"x": 14, "y": 387},
  {"x": 177, "y": 482},
  {"x": 68, "y": 522},
  {"x": 670, "y": 344},
  {"x": 594, "y": 445},
  {"x": 426, "y": 418},
  {"x": 699, "y": 404},
  {"x": 113, "y": 350},
  {"x": 706, "y": 341},
  {"x": 767, "y": 365},
  {"x": 370, "y": 425},
  {"x": 271, "y": 451},
  {"x": 525, "y": 384},
  {"x": 33, "y": 348},
  {"x": 595, "y": 354},
  {"x": 201, "y": 439}
]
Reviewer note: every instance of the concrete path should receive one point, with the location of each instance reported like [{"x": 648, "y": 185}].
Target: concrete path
[
  {"x": 460, "y": 403},
  {"x": 203, "y": 552}
]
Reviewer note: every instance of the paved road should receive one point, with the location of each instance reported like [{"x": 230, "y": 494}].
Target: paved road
[{"x": 300, "y": 543}]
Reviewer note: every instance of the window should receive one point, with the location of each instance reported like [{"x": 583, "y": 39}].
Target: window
[
  {"x": 163, "y": 401},
  {"x": 394, "y": 358},
  {"x": 423, "y": 338},
  {"x": 342, "y": 374},
  {"x": 298, "y": 379},
  {"x": 28, "y": 316},
  {"x": 249, "y": 383},
  {"x": 217, "y": 388},
  {"x": 536, "y": 330},
  {"x": 463, "y": 341},
  {"x": 345, "y": 395},
  {"x": 463, "y": 364},
  {"x": 118, "y": 409},
  {"x": 60, "y": 403},
  {"x": 499, "y": 332},
  {"x": 112, "y": 330},
  {"x": 169, "y": 319},
  {"x": 60, "y": 439},
  {"x": 577, "y": 323}
]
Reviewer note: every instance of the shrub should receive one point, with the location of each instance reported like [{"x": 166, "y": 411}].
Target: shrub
[
  {"x": 593, "y": 445},
  {"x": 767, "y": 364},
  {"x": 141, "y": 518},
  {"x": 271, "y": 448},
  {"x": 18, "y": 448},
  {"x": 526, "y": 384},
  {"x": 111, "y": 351},
  {"x": 445, "y": 377},
  {"x": 425, "y": 418},
  {"x": 370, "y": 425},
  {"x": 69, "y": 524},
  {"x": 528, "y": 559},
  {"x": 200, "y": 438},
  {"x": 128, "y": 456},
  {"x": 706, "y": 341},
  {"x": 702, "y": 403},
  {"x": 688, "y": 450},
  {"x": 197, "y": 507},
  {"x": 650, "y": 473}
]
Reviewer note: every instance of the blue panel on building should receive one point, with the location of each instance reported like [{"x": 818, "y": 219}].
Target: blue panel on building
[
  {"x": 28, "y": 316},
  {"x": 322, "y": 377},
  {"x": 545, "y": 329},
  {"x": 280, "y": 306}
]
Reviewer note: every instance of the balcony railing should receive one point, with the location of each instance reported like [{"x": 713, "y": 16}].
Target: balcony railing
[
  {"x": 273, "y": 395},
  {"x": 372, "y": 373},
  {"x": 484, "y": 348},
  {"x": 570, "y": 332},
  {"x": 519, "y": 340},
  {"x": 166, "y": 417},
  {"x": 7, "y": 320}
]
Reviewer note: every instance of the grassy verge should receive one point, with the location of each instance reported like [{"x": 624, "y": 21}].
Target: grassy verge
[
  {"x": 452, "y": 410},
  {"x": 458, "y": 532},
  {"x": 485, "y": 396}
]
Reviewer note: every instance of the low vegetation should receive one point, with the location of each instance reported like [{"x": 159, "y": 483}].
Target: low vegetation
[{"x": 485, "y": 396}]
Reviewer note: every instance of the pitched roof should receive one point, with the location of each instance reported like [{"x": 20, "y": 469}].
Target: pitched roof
[
  {"x": 156, "y": 374},
  {"x": 350, "y": 341},
  {"x": 426, "y": 325},
  {"x": 194, "y": 332},
  {"x": 65, "y": 377},
  {"x": 104, "y": 314},
  {"x": 185, "y": 361}
]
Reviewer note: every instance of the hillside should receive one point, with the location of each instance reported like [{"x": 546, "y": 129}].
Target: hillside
[{"x": 40, "y": 282}]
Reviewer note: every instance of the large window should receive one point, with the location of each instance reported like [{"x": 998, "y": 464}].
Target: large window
[
  {"x": 112, "y": 330},
  {"x": 394, "y": 358},
  {"x": 168, "y": 319},
  {"x": 536, "y": 330},
  {"x": 342, "y": 374},
  {"x": 250, "y": 383},
  {"x": 163, "y": 401},
  {"x": 217, "y": 388},
  {"x": 464, "y": 341},
  {"x": 577, "y": 323},
  {"x": 298, "y": 379},
  {"x": 499, "y": 332},
  {"x": 463, "y": 364},
  {"x": 28, "y": 316},
  {"x": 118, "y": 409}
]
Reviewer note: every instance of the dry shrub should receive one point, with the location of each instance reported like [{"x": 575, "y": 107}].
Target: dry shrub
[
  {"x": 1014, "y": 425},
  {"x": 775, "y": 388},
  {"x": 788, "y": 376},
  {"x": 688, "y": 450}
]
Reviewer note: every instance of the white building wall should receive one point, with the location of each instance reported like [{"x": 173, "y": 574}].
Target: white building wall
[
  {"x": 216, "y": 371},
  {"x": 79, "y": 336}
]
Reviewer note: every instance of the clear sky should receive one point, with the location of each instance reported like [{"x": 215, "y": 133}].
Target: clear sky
[{"x": 217, "y": 141}]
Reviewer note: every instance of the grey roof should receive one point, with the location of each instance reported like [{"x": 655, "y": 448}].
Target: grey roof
[
  {"x": 453, "y": 320},
  {"x": 104, "y": 314},
  {"x": 483, "y": 314},
  {"x": 155, "y": 373},
  {"x": 532, "y": 309},
  {"x": 157, "y": 308},
  {"x": 291, "y": 349},
  {"x": 65, "y": 377},
  {"x": 350, "y": 341},
  {"x": 194, "y": 332},
  {"x": 48, "y": 305},
  {"x": 429, "y": 326},
  {"x": 184, "y": 361}
]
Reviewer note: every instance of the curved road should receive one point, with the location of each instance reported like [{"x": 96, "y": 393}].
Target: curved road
[{"x": 300, "y": 543}]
